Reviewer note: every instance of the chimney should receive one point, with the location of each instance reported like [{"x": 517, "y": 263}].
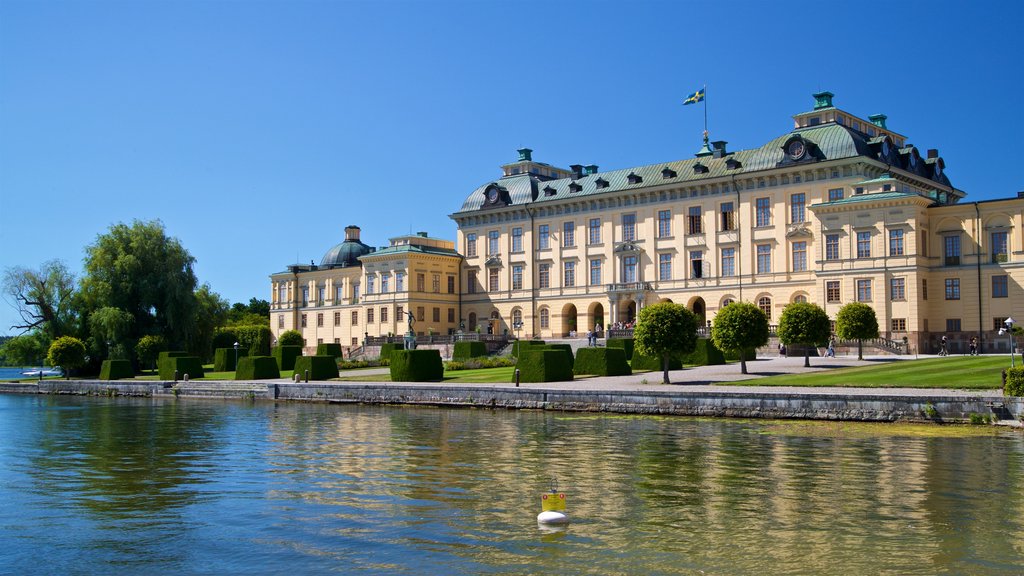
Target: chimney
[
  {"x": 525, "y": 155},
  {"x": 718, "y": 148},
  {"x": 421, "y": 234},
  {"x": 823, "y": 100},
  {"x": 933, "y": 153},
  {"x": 352, "y": 233},
  {"x": 591, "y": 169},
  {"x": 878, "y": 120},
  {"x": 577, "y": 170}
]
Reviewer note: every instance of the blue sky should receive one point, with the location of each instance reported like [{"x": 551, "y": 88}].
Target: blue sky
[{"x": 256, "y": 131}]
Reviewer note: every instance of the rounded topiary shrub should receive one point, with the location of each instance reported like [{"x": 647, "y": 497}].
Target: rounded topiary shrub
[
  {"x": 601, "y": 362},
  {"x": 465, "y": 350},
  {"x": 190, "y": 365},
  {"x": 416, "y": 366},
  {"x": 286, "y": 355},
  {"x": 544, "y": 366},
  {"x": 653, "y": 363},
  {"x": 706, "y": 354},
  {"x": 320, "y": 367},
  {"x": 329, "y": 349},
  {"x": 224, "y": 358},
  {"x": 523, "y": 345},
  {"x": 624, "y": 343},
  {"x": 388, "y": 348},
  {"x": 290, "y": 338},
  {"x": 116, "y": 370},
  {"x": 257, "y": 368},
  {"x": 1014, "y": 382}
]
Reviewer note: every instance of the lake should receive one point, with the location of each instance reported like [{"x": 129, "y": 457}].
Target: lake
[{"x": 144, "y": 486}]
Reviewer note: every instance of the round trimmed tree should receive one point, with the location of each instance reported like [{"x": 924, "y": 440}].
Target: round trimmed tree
[
  {"x": 665, "y": 331},
  {"x": 857, "y": 321},
  {"x": 149, "y": 347},
  {"x": 805, "y": 324},
  {"x": 67, "y": 352},
  {"x": 739, "y": 327},
  {"x": 290, "y": 338}
]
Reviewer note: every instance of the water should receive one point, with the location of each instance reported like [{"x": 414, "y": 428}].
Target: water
[{"x": 140, "y": 486}]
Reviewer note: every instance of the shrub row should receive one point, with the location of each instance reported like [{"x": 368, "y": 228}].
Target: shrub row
[
  {"x": 706, "y": 354},
  {"x": 653, "y": 363},
  {"x": 387, "y": 349},
  {"x": 466, "y": 349},
  {"x": 552, "y": 365},
  {"x": 416, "y": 366},
  {"x": 350, "y": 364},
  {"x": 624, "y": 343},
  {"x": 601, "y": 362},
  {"x": 331, "y": 349},
  {"x": 116, "y": 370},
  {"x": 257, "y": 368},
  {"x": 176, "y": 361},
  {"x": 321, "y": 367},
  {"x": 486, "y": 362},
  {"x": 224, "y": 358},
  {"x": 286, "y": 355}
]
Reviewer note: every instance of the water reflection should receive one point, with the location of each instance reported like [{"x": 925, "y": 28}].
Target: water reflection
[{"x": 313, "y": 488}]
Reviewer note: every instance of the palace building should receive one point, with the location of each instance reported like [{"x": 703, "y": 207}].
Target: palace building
[{"x": 837, "y": 209}]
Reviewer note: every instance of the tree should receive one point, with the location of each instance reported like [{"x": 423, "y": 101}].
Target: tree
[
  {"x": 142, "y": 271},
  {"x": 739, "y": 327},
  {"x": 44, "y": 298},
  {"x": 25, "y": 350},
  {"x": 290, "y": 338},
  {"x": 149, "y": 347},
  {"x": 665, "y": 331},
  {"x": 857, "y": 321},
  {"x": 805, "y": 324},
  {"x": 255, "y": 313},
  {"x": 67, "y": 352},
  {"x": 211, "y": 312},
  {"x": 111, "y": 331}
]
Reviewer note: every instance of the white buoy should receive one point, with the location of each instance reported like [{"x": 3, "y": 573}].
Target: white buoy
[{"x": 552, "y": 517}]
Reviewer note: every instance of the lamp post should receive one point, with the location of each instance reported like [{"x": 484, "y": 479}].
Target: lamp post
[
  {"x": 517, "y": 326},
  {"x": 236, "y": 356},
  {"x": 1009, "y": 330}
]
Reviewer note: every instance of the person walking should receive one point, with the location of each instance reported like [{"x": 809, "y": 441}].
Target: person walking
[
  {"x": 831, "y": 352},
  {"x": 974, "y": 346},
  {"x": 942, "y": 347}
]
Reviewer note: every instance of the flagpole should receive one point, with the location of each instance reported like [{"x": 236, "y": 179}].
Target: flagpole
[{"x": 705, "y": 113}]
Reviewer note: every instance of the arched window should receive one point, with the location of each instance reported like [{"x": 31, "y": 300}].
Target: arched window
[
  {"x": 802, "y": 298},
  {"x": 472, "y": 320},
  {"x": 517, "y": 317},
  {"x": 765, "y": 304},
  {"x": 727, "y": 301},
  {"x": 543, "y": 317}
]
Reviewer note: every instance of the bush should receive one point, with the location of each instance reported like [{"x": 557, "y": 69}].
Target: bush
[
  {"x": 524, "y": 345},
  {"x": 321, "y": 367},
  {"x": 544, "y": 366},
  {"x": 624, "y": 343},
  {"x": 116, "y": 370},
  {"x": 67, "y": 352},
  {"x": 290, "y": 338},
  {"x": 286, "y": 355},
  {"x": 257, "y": 368},
  {"x": 225, "y": 338},
  {"x": 330, "y": 349},
  {"x": 256, "y": 339},
  {"x": 567, "y": 349},
  {"x": 602, "y": 362},
  {"x": 387, "y": 349},
  {"x": 467, "y": 349},
  {"x": 224, "y": 358},
  {"x": 1014, "y": 382},
  {"x": 350, "y": 364},
  {"x": 416, "y": 366},
  {"x": 148, "y": 348},
  {"x": 653, "y": 363},
  {"x": 190, "y": 365},
  {"x": 706, "y": 354},
  {"x": 475, "y": 363},
  {"x": 171, "y": 354}
]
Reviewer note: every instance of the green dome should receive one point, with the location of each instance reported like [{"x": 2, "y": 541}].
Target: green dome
[{"x": 348, "y": 252}]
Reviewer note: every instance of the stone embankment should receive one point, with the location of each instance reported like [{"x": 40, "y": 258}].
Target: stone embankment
[{"x": 871, "y": 405}]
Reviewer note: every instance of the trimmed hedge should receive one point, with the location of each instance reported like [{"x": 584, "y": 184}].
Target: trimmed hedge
[
  {"x": 329, "y": 349},
  {"x": 602, "y": 362},
  {"x": 706, "y": 354},
  {"x": 170, "y": 354},
  {"x": 624, "y": 343},
  {"x": 524, "y": 345},
  {"x": 1014, "y": 382},
  {"x": 224, "y": 358},
  {"x": 224, "y": 338},
  {"x": 285, "y": 356},
  {"x": 653, "y": 363},
  {"x": 190, "y": 365},
  {"x": 563, "y": 347},
  {"x": 387, "y": 349},
  {"x": 257, "y": 368},
  {"x": 734, "y": 355},
  {"x": 467, "y": 349},
  {"x": 416, "y": 366},
  {"x": 544, "y": 366},
  {"x": 321, "y": 367},
  {"x": 116, "y": 370}
]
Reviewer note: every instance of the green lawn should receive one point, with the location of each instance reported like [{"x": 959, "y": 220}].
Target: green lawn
[
  {"x": 957, "y": 372},
  {"x": 500, "y": 375}
]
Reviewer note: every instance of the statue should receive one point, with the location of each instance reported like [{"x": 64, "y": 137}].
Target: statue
[
  {"x": 412, "y": 320},
  {"x": 410, "y": 336}
]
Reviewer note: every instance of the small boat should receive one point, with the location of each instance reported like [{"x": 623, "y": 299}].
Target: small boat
[{"x": 42, "y": 373}]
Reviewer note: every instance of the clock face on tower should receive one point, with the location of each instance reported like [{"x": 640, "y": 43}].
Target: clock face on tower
[
  {"x": 492, "y": 195},
  {"x": 796, "y": 149}
]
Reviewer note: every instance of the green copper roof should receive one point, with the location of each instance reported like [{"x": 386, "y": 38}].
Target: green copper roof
[
  {"x": 883, "y": 178},
  {"x": 410, "y": 249},
  {"x": 872, "y": 197}
]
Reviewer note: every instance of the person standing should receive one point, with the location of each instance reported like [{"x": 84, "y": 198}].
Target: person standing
[
  {"x": 974, "y": 346},
  {"x": 831, "y": 352},
  {"x": 942, "y": 347}
]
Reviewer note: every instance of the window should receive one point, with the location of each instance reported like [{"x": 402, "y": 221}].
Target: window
[
  {"x": 799, "y": 256},
  {"x": 863, "y": 290},
  {"x": 399, "y": 312},
  {"x": 629, "y": 269},
  {"x": 400, "y": 281},
  {"x": 355, "y": 318},
  {"x": 319, "y": 341},
  {"x": 385, "y": 281},
  {"x": 595, "y": 231},
  {"x": 421, "y": 281},
  {"x": 697, "y": 263},
  {"x": 595, "y": 272},
  {"x": 517, "y": 318},
  {"x": 568, "y": 234},
  {"x": 897, "y": 289},
  {"x": 924, "y": 289},
  {"x": 435, "y": 283},
  {"x": 545, "y": 275},
  {"x": 693, "y": 220},
  {"x": 569, "y": 273},
  {"x": 835, "y": 194},
  {"x": 797, "y": 212},
  {"x": 419, "y": 314},
  {"x": 471, "y": 282},
  {"x": 765, "y": 304},
  {"x": 517, "y": 277},
  {"x": 764, "y": 212},
  {"x": 728, "y": 261},
  {"x": 898, "y": 325},
  {"x": 305, "y": 296},
  {"x": 451, "y": 284},
  {"x": 801, "y": 298},
  {"x": 451, "y": 315},
  {"x": 436, "y": 314},
  {"x": 320, "y": 320},
  {"x": 664, "y": 223},
  {"x": 664, "y": 266},
  {"x": 764, "y": 258},
  {"x": 832, "y": 293},
  {"x": 832, "y": 247},
  {"x": 369, "y": 315},
  {"x": 492, "y": 243},
  {"x": 1000, "y": 287},
  {"x": 383, "y": 314},
  {"x": 728, "y": 217},
  {"x": 302, "y": 321},
  {"x": 370, "y": 283},
  {"x": 543, "y": 233},
  {"x": 282, "y": 293},
  {"x": 951, "y": 251},
  {"x": 952, "y": 324},
  {"x": 355, "y": 292},
  {"x": 517, "y": 239},
  {"x": 338, "y": 292},
  {"x": 492, "y": 280},
  {"x": 863, "y": 244},
  {"x": 1000, "y": 246},
  {"x": 320, "y": 296},
  {"x": 896, "y": 242},
  {"x": 337, "y": 318},
  {"x": 998, "y": 323},
  {"x": 952, "y": 288},
  {"x": 470, "y": 245},
  {"x": 280, "y": 320},
  {"x": 628, "y": 227},
  {"x": 543, "y": 317}
]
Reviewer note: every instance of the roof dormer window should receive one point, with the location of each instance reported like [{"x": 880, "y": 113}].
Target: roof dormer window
[
  {"x": 668, "y": 173},
  {"x": 699, "y": 168},
  {"x": 575, "y": 187},
  {"x": 633, "y": 178},
  {"x": 601, "y": 183},
  {"x": 733, "y": 164},
  {"x": 549, "y": 191}
]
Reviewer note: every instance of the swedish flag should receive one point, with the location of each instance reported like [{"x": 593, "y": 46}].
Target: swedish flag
[{"x": 695, "y": 97}]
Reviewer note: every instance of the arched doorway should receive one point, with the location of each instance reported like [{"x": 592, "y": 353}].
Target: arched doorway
[
  {"x": 700, "y": 309},
  {"x": 631, "y": 311},
  {"x": 494, "y": 326},
  {"x": 569, "y": 320},
  {"x": 596, "y": 317}
]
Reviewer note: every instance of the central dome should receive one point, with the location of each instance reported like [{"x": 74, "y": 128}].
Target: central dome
[{"x": 348, "y": 252}]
